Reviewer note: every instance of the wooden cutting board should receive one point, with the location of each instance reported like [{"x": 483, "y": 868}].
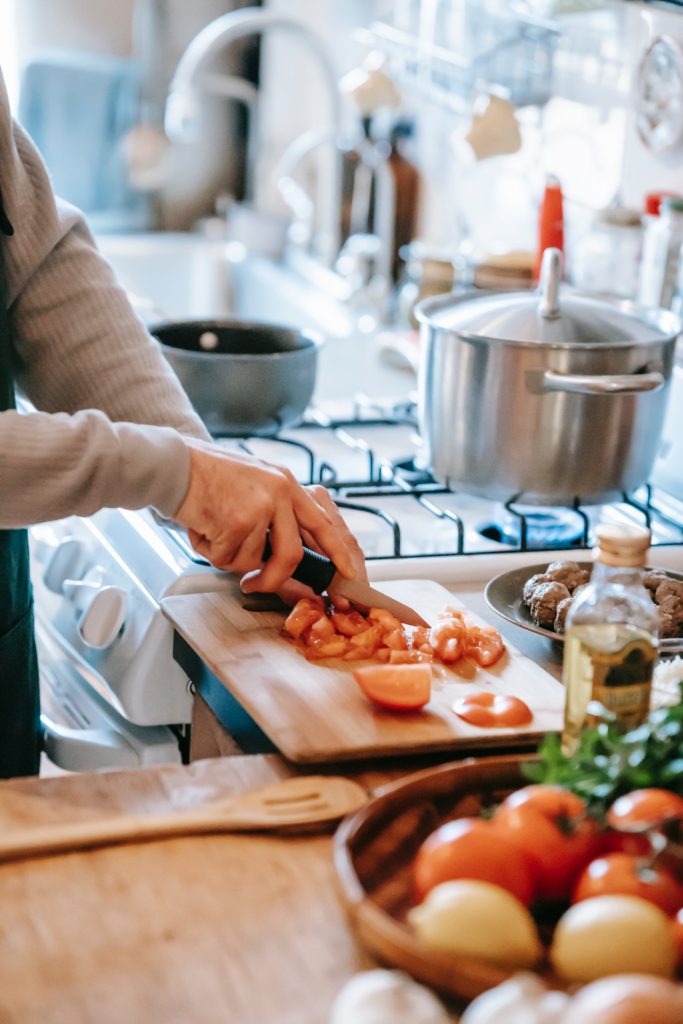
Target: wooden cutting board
[{"x": 315, "y": 712}]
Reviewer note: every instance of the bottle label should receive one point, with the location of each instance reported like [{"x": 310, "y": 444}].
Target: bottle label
[
  {"x": 629, "y": 703},
  {"x": 619, "y": 678}
]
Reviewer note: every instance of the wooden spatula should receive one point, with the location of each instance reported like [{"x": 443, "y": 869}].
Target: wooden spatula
[{"x": 290, "y": 804}]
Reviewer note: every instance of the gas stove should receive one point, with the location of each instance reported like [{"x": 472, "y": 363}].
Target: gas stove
[{"x": 116, "y": 693}]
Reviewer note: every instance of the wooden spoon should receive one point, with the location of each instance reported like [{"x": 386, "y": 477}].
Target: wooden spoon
[{"x": 288, "y": 804}]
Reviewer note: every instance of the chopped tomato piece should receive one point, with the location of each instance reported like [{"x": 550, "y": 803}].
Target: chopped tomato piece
[
  {"x": 335, "y": 647},
  {"x": 396, "y": 639},
  {"x": 303, "y": 614},
  {"x": 321, "y": 629},
  {"x": 385, "y": 619},
  {"x": 411, "y": 657},
  {"x": 420, "y": 636},
  {"x": 398, "y": 687},
  {"x": 447, "y": 638},
  {"x": 484, "y": 644},
  {"x": 488, "y": 710},
  {"x": 450, "y": 612},
  {"x": 350, "y": 623}
]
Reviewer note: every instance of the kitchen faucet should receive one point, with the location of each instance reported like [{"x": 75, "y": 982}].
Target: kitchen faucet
[{"x": 192, "y": 77}]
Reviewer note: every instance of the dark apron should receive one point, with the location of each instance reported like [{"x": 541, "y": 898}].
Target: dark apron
[{"x": 20, "y": 740}]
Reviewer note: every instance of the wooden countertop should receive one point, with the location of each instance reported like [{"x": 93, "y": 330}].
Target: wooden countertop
[{"x": 235, "y": 928}]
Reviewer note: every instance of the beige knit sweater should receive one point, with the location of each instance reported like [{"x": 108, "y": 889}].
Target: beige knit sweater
[{"x": 85, "y": 361}]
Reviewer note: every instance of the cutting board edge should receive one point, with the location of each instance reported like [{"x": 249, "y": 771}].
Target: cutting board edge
[{"x": 457, "y": 746}]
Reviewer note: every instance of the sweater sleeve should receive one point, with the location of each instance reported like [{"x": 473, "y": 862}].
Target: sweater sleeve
[{"x": 111, "y": 412}]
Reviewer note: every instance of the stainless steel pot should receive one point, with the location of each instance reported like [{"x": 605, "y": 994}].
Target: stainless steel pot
[
  {"x": 242, "y": 378},
  {"x": 541, "y": 398}
]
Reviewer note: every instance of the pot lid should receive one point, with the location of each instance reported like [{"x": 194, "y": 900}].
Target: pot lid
[{"x": 550, "y": 316}]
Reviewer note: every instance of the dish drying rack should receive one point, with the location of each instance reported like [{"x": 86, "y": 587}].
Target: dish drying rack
[{"x": 449, "y": 51}]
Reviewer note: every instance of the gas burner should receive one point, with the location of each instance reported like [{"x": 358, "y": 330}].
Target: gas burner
[
  {"x": 408, "y": 471},
  {"x": 537, "y": 528}
]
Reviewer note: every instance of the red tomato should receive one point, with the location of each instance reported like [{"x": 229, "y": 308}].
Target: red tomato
[
  {"x": 472, "y": 848},
  {"x": 620, "y": 874},
  {"x": 551, "y": 825},
  {"x": 485, "y": 645},
  {"x": 644, "y": 807},
  {"x": 492, "y": 709},
  {"x": 398, "y": 687},
  {"x": 624, "y": 842}
]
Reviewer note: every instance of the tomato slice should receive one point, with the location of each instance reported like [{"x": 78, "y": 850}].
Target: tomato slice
[
  {"x": 495, "y": 710},
  {"x": 398, "y": 687}
]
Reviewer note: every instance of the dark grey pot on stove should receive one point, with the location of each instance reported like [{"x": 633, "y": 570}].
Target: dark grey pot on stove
[
  {"x": 543, "y": 398},
  {"x": 242, "y": 378}
]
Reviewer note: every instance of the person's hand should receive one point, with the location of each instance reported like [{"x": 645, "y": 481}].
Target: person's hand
[
  {"x": 233, "y": 500},
  {"x": 292, "y": 591}
]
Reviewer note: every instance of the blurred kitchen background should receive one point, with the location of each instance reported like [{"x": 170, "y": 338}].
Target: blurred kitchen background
[{"x": 405, "y": 145}]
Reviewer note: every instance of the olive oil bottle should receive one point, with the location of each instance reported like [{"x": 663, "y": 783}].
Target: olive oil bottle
[{"x": 611, "y": 636}]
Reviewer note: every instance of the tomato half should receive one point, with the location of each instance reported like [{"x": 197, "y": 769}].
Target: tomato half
[
  {"x": 552, "y": 826},
  {"x": 492, "y": 710},
  {"x": 472, "y": 848},
  {"x": 620, "y": 874},
  {"x": 644, "y": 807},
  {"x": 398, "y": 687}
]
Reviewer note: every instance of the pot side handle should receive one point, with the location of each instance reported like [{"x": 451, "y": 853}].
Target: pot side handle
[{"x": 540, "y": 381}]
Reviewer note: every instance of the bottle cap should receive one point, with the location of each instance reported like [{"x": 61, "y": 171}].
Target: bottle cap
[
  {"x": 621, "y": 544},
  {"x": 653, "y": 202}
]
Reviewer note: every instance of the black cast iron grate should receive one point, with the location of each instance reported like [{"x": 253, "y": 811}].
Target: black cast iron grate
[{"x": 521, "y": 529}]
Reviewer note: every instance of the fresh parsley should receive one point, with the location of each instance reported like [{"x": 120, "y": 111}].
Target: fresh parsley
[{"x": 609, "y": 762}]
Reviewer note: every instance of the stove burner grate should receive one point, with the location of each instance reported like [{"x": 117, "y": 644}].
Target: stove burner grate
[{"x": 365, "y": 477}]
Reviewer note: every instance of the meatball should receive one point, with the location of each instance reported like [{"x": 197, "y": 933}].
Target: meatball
[
  {"x": 668, "y": 588},
  {"x": 671, "y": 616},
  {"x": 544, "y": 602},
  {"x": 569, "y": 573},
  {"x": 532, "y": 583},
  {"x": 561, "y": 613},
  {"x": 653, "y": 578}
]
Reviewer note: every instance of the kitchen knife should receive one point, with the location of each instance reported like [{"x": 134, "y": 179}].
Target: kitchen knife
[{"x": 319, "y": 573}]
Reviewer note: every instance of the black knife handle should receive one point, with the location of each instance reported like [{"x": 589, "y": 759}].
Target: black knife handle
[{"x": 316, "y": 571}]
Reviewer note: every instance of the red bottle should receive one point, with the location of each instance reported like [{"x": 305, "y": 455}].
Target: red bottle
[{"x": 550, "y": 222}]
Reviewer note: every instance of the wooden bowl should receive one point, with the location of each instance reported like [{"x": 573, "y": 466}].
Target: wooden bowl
[{"x": 374, "y": 850}]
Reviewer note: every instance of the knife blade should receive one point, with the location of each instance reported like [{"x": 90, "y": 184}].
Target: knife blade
[{"x": 320, "y": 573}]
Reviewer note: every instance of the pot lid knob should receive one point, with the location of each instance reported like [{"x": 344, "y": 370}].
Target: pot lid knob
[{"x": 551, "y": 274}]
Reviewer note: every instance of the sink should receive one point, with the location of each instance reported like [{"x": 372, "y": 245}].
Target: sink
[{"x": 185, "y": 276}]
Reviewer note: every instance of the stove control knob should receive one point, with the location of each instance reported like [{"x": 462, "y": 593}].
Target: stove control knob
[
  {"x": 102, "y": 618},
  {"x": 66, "y": 562}
]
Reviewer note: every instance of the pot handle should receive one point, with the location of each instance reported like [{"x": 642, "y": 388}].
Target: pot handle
[{"x": 540, "y": 381}]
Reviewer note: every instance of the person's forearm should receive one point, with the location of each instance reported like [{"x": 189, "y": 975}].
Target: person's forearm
[
  {"x": 57, "y": 465},
  {"x": 79, "y": 343}
]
